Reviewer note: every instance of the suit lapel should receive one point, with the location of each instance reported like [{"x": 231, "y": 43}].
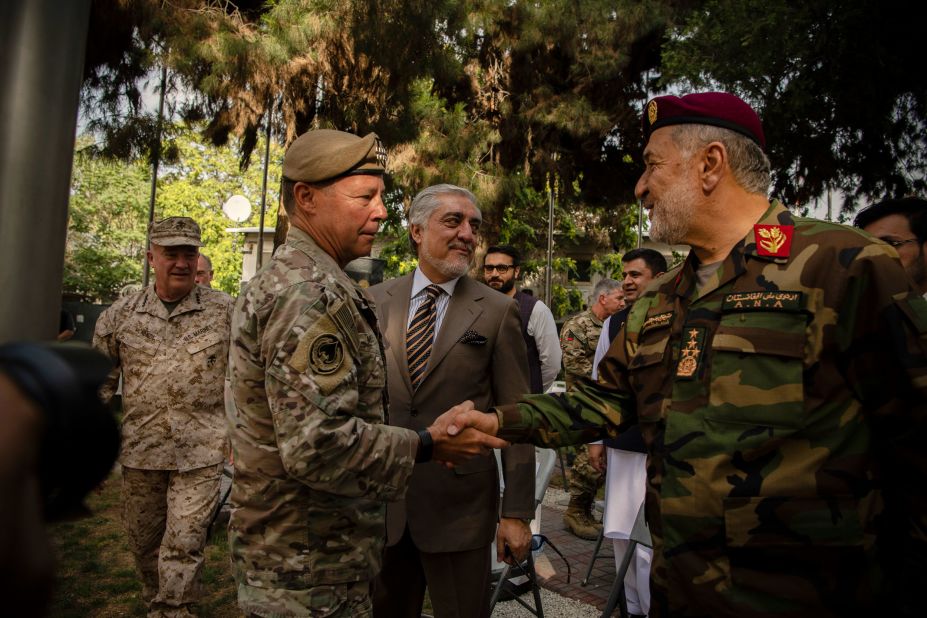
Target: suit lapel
[
  {"x": 396, "y": 310},
  {"x": 462, "y": 311}
]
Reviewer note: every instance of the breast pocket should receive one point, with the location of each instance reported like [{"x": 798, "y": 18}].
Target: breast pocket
[
  {"x": 208, "y": 351},
  {"x": 757, "y": 369},
  {"x": 136, "y": 347},
  {"x": 648, "y": 375}
]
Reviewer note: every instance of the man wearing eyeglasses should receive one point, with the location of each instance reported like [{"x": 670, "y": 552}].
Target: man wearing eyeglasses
[
  {"x": 500, "y": 270},
  {"x": 901, "y": 223}
]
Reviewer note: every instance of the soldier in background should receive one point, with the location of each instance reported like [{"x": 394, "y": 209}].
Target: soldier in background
[
  {"x": 779, "y": 379},
  {"x": 170, "y": 343},
  {"x": 315, "y": 463},
  {"x": 578, "y": 339},
  {"x": 902, "y": 223},
  {"x": 204, "y": 271}
]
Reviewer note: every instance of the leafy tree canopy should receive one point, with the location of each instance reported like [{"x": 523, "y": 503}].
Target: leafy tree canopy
[{"x": 838, "y": 83}]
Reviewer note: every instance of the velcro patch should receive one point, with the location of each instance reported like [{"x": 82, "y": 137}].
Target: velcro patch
[
  {"x": 320, "y": 353},
  {"x": 762, "y": 300},
  {"x": 693, "y": 345},
  {"x": 657, "y": 321},
  {"x": 342, "y": 316}
]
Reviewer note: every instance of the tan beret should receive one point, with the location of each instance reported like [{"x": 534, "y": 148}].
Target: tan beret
[
  {"x": 325, "y": 154},
  {"x": 175, "y": 231}
]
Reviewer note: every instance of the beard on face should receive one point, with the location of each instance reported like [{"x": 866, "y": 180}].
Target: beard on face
[
  {"x": 671, "y": 215},
  {"x": 504, "y": 286},
  {"x": 453, "y": 265}
]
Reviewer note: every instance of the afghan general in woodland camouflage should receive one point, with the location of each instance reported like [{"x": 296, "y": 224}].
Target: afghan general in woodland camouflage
[{"x": 782, "y": 392}]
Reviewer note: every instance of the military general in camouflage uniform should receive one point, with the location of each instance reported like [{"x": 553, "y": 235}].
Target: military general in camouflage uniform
[
  {"x": 578, "y": 339},
  {"x": 170, "y": 343},
  {"x": 779, "y": 378},
  {"x": 315, "y": 462}
]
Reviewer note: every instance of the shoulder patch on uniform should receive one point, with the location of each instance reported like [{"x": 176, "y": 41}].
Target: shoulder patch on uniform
[
  {"x": 320, "y": 353},
  {"x": 745, "y": 301},
  {"x": 773, "y": 240},
  {"x": 693, "y": 343},
  {"x": 657, "y": 321},
  {"x": 342, "y": 316}
]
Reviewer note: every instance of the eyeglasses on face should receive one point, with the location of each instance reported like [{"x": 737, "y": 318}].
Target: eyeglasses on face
[
  {"x": 896, "y": 242},
  {"x": 500, "y": 268}
]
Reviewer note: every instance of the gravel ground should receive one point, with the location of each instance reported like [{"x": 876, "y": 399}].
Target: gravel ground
[{"x": 554, "y": 605}]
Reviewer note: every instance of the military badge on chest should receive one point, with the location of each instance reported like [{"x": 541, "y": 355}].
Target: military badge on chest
[{"x": 691, "y": 352}]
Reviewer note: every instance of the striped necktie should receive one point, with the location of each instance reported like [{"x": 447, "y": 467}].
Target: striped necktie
[{"x": 421, "y": 335}]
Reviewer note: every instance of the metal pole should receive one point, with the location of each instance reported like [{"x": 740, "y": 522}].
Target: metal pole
[
  {"x": 640, "y": 223},
  {"x": 550, "y": 244},
  {"x": 260, "y": 247},
  {"x": 155, "y": 160},
  {"x": 42, "y": 45}
]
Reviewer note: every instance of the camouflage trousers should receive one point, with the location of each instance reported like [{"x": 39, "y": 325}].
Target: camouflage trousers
[
  {"x": 585, "y": 480},
  {"x": 166, "y": 514},
  {"x": 350, "y": 600}
]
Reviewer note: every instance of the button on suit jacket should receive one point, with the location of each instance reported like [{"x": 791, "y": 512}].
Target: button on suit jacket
[{"x": 457, "y": 510}]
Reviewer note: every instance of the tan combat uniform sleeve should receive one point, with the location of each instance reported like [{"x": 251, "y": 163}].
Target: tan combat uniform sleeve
[
  {"x": 325, "y": 400},
  {"x": 104, "y": 341}
]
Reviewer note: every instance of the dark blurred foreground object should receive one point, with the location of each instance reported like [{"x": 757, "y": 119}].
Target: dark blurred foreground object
[
  {"x": 57, "y": 442},
  {"x": 80, "y": 439}
]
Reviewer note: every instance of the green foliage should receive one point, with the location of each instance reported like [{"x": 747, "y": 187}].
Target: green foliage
[
  {"x": 607, "y": 265},
  {"x": 109, "y": 211},
  {"x": 839, "y": 86},
  {"x": 204, "y": 177},
  {"x": 106, "y": 229},
  {"x": 565, "y": 301}
]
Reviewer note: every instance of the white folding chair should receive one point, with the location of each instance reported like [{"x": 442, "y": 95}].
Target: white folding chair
[
  {"x": 640, "y": 535},
  {"x": 545, "y": 460}
]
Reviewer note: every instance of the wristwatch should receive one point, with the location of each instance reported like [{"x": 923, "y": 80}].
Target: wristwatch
[{"x": 426, "y": 446}]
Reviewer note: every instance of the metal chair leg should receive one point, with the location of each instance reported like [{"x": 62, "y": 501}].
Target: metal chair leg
[
  {"x": 615, "y": 597},
  {"x": 595, "y": 556}
]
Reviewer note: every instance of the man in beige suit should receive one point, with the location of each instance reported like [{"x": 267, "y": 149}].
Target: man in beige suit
[{"x": 448, "y": 339}]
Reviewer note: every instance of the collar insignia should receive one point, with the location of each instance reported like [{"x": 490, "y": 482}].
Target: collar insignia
[{"x": 773, "y": 240}]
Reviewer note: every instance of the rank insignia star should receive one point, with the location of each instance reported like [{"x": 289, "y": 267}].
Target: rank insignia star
[{"x": 773, "y": 240}]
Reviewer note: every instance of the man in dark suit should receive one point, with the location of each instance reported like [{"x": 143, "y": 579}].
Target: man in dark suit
[{"x": 448, "y": 339}]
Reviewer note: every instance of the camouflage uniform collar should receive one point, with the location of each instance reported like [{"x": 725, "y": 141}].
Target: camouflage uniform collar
[
  {"x": 593, "y": 317},
  {"x": 735, "y": 263},
  {"x": 151, "y": 303},
  {"x": 301, "y": 241}
]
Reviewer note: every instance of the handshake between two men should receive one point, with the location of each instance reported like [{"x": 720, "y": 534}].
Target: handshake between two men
[{"x": 462, "y": 433}]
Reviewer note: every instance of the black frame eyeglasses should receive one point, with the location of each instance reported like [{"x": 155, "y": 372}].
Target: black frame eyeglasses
[{"x": 500, "y": 268}]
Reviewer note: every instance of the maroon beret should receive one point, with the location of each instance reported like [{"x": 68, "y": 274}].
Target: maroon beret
[{"x": 720, "y": 109}]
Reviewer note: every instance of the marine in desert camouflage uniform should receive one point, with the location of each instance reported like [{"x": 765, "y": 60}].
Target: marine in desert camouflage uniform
[
  {"x": 578, "y": 339},
  {"x": 170, "y": 343},
  {"x": 315, "y": 462},
  {"x": 782, "y": 392}
]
